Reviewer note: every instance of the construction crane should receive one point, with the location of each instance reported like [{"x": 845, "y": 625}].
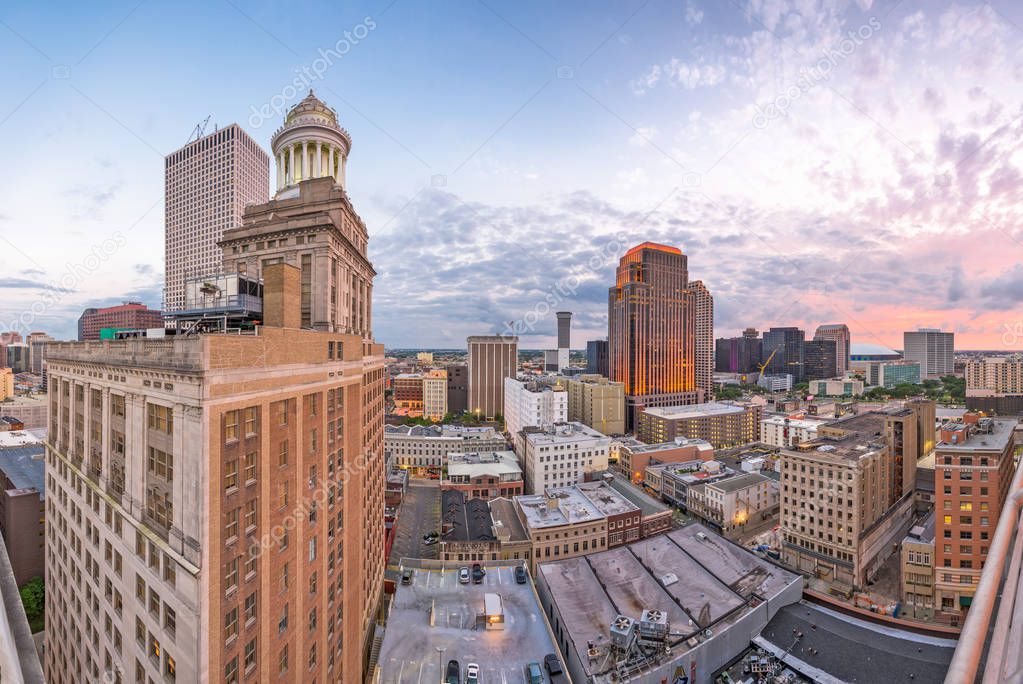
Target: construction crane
[
  {"x": 199, "y": 130},
  {"x": 765, "y": 364}
]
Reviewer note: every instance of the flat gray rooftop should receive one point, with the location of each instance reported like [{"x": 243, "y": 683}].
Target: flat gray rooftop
[
  {"x": 25, "y": 467},
  {"x": 409, "y": 650}
]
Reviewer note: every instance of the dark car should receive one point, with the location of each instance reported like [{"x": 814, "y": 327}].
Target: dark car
[
  {"x": 520, "y": 575},
  {"x": 553, "y": 665},
  {"x": 534, "y": 675},
  {"x": 454, "y": 673},
  {"x": 477, "y": 573}
]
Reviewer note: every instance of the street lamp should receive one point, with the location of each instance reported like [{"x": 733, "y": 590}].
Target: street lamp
[{"x": 440, "y": 662}]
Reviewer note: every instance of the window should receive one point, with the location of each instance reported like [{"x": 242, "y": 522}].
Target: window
[
  {"x": 250, "y": 607},
  {"x": 231, "y": 574},
  {"x": 282, "y": 494},
  {"x": 117, "y": 405},
  {"x": 282, "y": 412},
  {"x": 250, "y": 467},
  {"x": 231, "y": 671},
  {"x": 231, "y": 624},
  {"x": 250, "y": 515},
  {"x": 161, "y": 418},
  {"x": 230, "y": 425},
  {"x": 140, "y": 588},
  {"x": 282, "y": 455},
  {"x": 169, "y": 668},
  {"x": 231, "y": 474},
  {"x": 231, "y": 524},
  {"x": 154, "y": 603},
  {"x": 161, "y": 464},
  {"x": 250, "y": 654},
  {"x": 282, "y": 660},
  {"x": 170, "y": 619},
  {"x": 169, "y": 570},
  {"x": 250, "y": 421}
]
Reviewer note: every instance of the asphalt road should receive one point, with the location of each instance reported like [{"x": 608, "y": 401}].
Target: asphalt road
[{"x": 419, "y": 514}]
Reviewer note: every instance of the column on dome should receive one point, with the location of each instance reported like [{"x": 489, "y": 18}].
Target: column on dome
[
  {"x": 330, "y": 161},
  {"x": 291, "y": 164},
  {"x": 305, "y": 160},
  {"x": 319, "y": 160},
  {"x": 280, "y": 170},
  {"x": 344, "y": 169}
]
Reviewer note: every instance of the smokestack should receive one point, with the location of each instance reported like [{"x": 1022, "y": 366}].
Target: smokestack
[{"x": 564, "y": 338}]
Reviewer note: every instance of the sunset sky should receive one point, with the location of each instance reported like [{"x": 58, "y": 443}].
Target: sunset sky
[{"x": 819, "y": 162}]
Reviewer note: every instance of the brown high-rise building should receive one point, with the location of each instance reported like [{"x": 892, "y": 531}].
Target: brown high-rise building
[
  {"x": 973, "y": 463},
  {"x": 215, "y": 501},
  {"x": 208, "y": 184},
  {"x": 652, "y": 329},
  {"x": 127, "y": 316},
  {"x": 703, "y": 319},
  {"x": 492, "y": 358}
]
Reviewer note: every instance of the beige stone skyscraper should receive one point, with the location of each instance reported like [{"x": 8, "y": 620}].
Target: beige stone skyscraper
[
  {"x": 208, "y": 183},
  {"x": 703, "y": 307},
  {"x": 215, "y": 508},
  {"x": 839, "y": 332}
]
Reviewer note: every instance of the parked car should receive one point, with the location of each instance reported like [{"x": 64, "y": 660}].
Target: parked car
[
  {"x": 534, "y": 675},
  {"x": 463, "y": 575},
  {"x": 454, "y": 674},
  {"x": 472, "y": 674},
  {"x": 477, "y": 573},
  {"x": 430, "y": 542},
  {"x": 553, "y": 665},
  {"x": 521, "y": 577},
  {"x": 406, "y": 577}
]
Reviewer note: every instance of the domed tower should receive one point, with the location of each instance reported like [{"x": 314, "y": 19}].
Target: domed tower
[{"x": 310, "y": 144}]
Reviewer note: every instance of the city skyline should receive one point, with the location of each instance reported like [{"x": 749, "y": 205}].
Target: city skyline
[{"x": 898, "y": 165}]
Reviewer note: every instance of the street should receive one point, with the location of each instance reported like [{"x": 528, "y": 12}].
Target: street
[{"x": 419, "y": 514}]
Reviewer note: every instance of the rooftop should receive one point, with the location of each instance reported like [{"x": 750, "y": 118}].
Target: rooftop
[
  {"x": 416, "y": 647},
  {"x": 712, "y": 408},
  {"x": 990, "y": 434},
  {"x": 700, "y": 582},
  {"x": 561, "y": 433},
  {"x": 637, "y": 497},
  {"x": 606, "y": 499},
  {"x": 497, "y": 463},
  {"x": 449, "y": 431},
  {"x": 507, "y": 525},
  {"x": 559, "y": 506},
  {"x": 465, "y": 520},
  {"x": 680, "y": 442},
  {"x": 25, "y": 466},
  {"x": 923, "y": 531},
  {"x": 843, "y": 648},
  {"x": 806, "y": 423},
  {"x": 734, "y": 484}
]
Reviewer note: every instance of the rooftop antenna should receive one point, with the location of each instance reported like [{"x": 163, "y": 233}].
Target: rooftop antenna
[{"x": 199, "y": 130}]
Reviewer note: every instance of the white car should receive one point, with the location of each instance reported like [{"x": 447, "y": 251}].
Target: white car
[
  {"x": 472, "y": 674},
  {"x": 463, "y": 575}
]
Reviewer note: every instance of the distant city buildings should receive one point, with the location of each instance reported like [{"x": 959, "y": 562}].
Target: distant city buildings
[
  {"x": 723, "y": 424},
  {"x": 37, "y": 351},
  {"x": 6, "y": 383},
  {"x": 740, "y": 355},
  {"x": 994, "y": 384},
  {"x": 492, "y": 359},
  {"x": 836, "y": 387},
  {"x": 562, "y": 455},
  {"x": 892, "y": 373},
  {"x": 783, "y": 352},
  {"x": 839, "y": 334},
  {"x": 208, "y": 183},
  {"x": 932, "y": 349},
  {"x": 596, "y": 357},
  {"x": 128, "y": 316},
  {"x": 703, "y": 319},
  {"x": 435, "y": 394},
  {"x": 458, "y": 387},
  {"x": 19, "y": 357},
  {"x": 595, "y": 401},
  {"x": 652, "y": 330},
  {"x": 820, "y": 359}
]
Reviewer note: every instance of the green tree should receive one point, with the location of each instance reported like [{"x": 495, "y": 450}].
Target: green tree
[{"x": 33, "y": 599}]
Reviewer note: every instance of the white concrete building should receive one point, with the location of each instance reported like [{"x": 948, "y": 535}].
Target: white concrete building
[
  {"x": 562, "y": 455},
  {"x": 424, "y": 449},
  {"x": 532, "y": 404},
  {"x": 435, "y": 394},
  {"x": 782, "y": 431},
  {"x": 933, "y": 349}
]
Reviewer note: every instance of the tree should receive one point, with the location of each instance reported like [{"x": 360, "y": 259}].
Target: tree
[{"x": 33, "y": 599}]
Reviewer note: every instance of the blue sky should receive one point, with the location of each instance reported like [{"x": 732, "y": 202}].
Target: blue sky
[{"x": 505, "y": 154}]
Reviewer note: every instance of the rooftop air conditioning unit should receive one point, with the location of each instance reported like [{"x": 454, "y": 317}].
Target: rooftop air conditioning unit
[{"x": 623, "y": 632}]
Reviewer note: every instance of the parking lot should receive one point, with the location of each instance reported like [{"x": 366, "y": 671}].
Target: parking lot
[{"x": 414, "y": 650}]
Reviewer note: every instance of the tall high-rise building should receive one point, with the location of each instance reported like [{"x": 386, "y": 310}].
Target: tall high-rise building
[
  {"x": 933, "y": 349},
  {"x": 37, "y": 351},
  {"x": 492, "y": 358},
  {"x": 652, "y": 329},
  {"x": 820, "y": 359},
  {"x": 839, "y": 332},
  {"x": 311, "y": 224},
  {"x": 127, "y": 316},
  {"x": 974, "y": 463},
  {"x": 737, "y": 354},
  {"x": 596, "y": 357},
  {"x": 435, "y": 394},
  {"x": 458, "y": 387},
  {"x": 564, "y": 338},
  {"x": 783, "y": 348},
  {"x": 208, "y": 184},
  {"x": 703, "y": 304},
  {"x": 224, "y": 495}
]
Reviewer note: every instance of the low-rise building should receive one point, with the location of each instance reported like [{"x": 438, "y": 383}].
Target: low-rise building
[
  {"x": 481, "y": 531},
  {"x": 723, "y": 424},
  {"x": 598, "y": 402},
  {"x": 634, "y": 459},
  {"x": 22, "y": 508},
  {"x": 918, "y": 568},
  {"x": 785, "y": 431},
  {"x": 837, "y": 387},
  {"x": 484, "y": 475},
  {"x": 424, "y": 449},
  {"x": 672, "y": 481},
  {"x": 561, "y": 523},
  {"x": 31, "y": 410},
  {"x": 731, "y": 505},
  {"x": 562, "y": 455},
  {"x": 892, "y": 373},
  {"x": 776, "y": 382}
]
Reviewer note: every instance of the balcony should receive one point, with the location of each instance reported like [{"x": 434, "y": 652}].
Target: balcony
[{"x": 989, "y": 645}]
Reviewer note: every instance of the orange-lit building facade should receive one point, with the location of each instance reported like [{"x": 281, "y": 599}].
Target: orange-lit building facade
[{"x": 652, "y": 329}]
